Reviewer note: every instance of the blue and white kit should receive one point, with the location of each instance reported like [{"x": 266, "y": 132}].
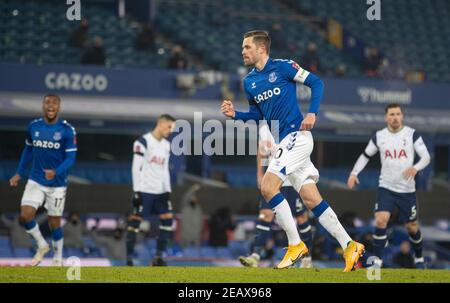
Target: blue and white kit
[
  {"x": 48, "y": 146},
  {"x": 271, "y": 93}
]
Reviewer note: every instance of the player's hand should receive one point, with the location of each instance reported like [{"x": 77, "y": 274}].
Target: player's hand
[
  {"x": 352, "y": 180},
  {"x": 308, "y": 122},
  {"x": 410, "y": 173},
  {"x": 227, "y": 109},
  {"x": 14, "y": 180},
  {"x": 49, "y": 174},
  {"x": 266, "y": 148},
  {"x": 137, "y": 200}
]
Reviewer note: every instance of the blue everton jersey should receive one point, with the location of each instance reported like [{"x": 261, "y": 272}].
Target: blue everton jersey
[
  {"x": 51, "y": 144},
  {"x": 273, "y": 91}
]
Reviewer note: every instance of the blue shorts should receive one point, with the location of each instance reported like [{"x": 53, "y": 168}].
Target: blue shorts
[
  {"x": 406, "y": 203},
  {"x": 293, "y": 198},
  {"x": 153, "y": 204}
]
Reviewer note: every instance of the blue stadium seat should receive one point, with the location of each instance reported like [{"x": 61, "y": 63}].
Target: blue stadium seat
[
  {"x": 208, "y": 252},
  {"x": 23, "y": 252},
  {"x": 238, "y": 248},
  {"x": 5, "y": 247},
  {"x": 224, "y": 252},
  {"x": 142, "y": 252},
  {"x": 74, "y": 252},
  {"x": 191, "y": 252}
]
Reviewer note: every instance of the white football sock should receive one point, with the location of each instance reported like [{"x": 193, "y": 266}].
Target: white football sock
[
  {"x": 283, "y": 216},
  {"x": 330, "y": 222},
  {"x": 36, "y": 234},
  {"x": 57, "y": 249}
]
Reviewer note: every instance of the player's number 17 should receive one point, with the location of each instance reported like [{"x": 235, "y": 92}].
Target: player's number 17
[{"x": 58, "y": 202}]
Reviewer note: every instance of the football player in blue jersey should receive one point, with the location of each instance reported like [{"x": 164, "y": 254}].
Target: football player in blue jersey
[
  {"x": 270, "y": 88},
  {"x": 266, "y": 148},
  {"x": 51, "y": 147}
]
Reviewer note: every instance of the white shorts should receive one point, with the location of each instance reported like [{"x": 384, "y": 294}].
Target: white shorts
[
  {"x": 52, "y": 198},
  {"x": 292, "y": 160}
]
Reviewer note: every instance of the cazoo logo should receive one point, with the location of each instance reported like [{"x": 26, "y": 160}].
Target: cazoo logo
[
  {"x": 267, "y": 94},
  {"x": 46, "y": 144},
  {"x": 76, "y": 82}
]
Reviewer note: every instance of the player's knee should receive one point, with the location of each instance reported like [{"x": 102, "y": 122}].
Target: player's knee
[
  {"x": 301, "y": 219},
  {"x": 166, "y": 224},
  {"x": 412, "y": 227},
  {"x": 54, "y": 222},
  {"x": 24, "y": 219},
  {"x": 381, "y": 222},
  {"x": 134, "y": 217},
  {"x": 166, "y": 216},
  {"x": 266, "y": 215}
]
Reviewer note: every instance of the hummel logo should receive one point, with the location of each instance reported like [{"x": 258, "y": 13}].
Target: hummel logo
[{"x": 254, "y": 85}]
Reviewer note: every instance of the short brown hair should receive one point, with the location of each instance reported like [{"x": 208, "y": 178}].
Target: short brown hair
[
  {"x": 391, "y": 105},
  {"x": 259, "y": 37}
]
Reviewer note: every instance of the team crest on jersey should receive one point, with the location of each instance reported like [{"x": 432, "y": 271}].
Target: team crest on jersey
[
  {"x": 57, "y": 136},
  {"x": 254, "y": 85},
  {"x": 272, "y": 77},
  {"x": 36, "y": 134}
]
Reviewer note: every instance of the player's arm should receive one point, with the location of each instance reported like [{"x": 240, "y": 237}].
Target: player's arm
[
  {"x": 259, "y": 168},
  {"x": 293, "y": 72},
  {"x": 317, "y": 87},
  {"x": 227, "y": 109},
  {"x": 421, "y": 149},
  {"x": 137, "y": 163},
  {"x": 25, "y": 159},
  {"x": 370, "y": 151},
  {"x": 139, "y": 148},
  {"x": 253, "y": 113},
  {"x": 70, "y": 156},
  {"x": 266, "y": 146}
]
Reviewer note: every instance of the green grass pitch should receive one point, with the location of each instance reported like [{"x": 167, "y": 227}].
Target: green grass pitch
[{"x": 216, "y": 274}]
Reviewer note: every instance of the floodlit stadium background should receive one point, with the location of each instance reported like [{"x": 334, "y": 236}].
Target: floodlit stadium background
[{"x": 113, "y": 98}]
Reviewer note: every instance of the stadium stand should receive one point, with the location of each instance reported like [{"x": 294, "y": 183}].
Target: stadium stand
[
  {"x": 214, "y": 30},
  {"x": 417, "y": 43},
  {"x": 39, "y": 34}
]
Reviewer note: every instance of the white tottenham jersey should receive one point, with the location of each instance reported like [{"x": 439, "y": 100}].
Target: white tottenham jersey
[
  {"x": 397, "y": 151},
  {"x": 267, "y": 146},
  {"x": 150, "y": 168}
]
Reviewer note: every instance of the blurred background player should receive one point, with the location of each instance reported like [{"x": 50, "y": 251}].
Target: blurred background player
[
  {"x": 271, "y": 92},
  {"x": 51, "y": 146},
  {"x": 397, "y": 145},
  {"x": 151, "y": 186},
  {"x": 266, "y": 148}
]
